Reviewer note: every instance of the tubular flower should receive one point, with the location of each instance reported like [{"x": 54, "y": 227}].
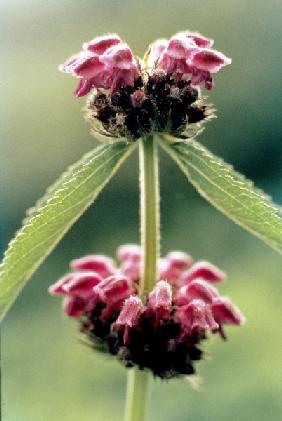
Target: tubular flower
[
  {"x": 162, "y": 332},
  {"x": 130, "y": 97}
]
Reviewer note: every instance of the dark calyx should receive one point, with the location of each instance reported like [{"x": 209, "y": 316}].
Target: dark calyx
[
  {"x": 161, "y": 104},
  {"x": 152, "y": 344}
]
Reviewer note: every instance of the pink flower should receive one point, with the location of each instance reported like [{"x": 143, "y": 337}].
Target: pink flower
[
  {"x": 82, "y": 284},
  {"x": 209, "y": 60},
  {"x": 161, "y": 296},
  {"x": 129, "y": 316},
  {"x": 103, "y": 265},
  {"x": 204, "y": 270},
  {"x": 78, "y": 291},
  {"x": 155, "y": 52},
  {"x": 196, "y": 317},
  {"x": 100, "y": 45},
  {"x": 174, "y": 57},
  {"x": 171, "y": 267},
  {"x": 226, "y": 313},
  {"x": 130, "y": 312},
  {"x": 57, "y": 288},
  {"x": 196, "y": 289},
  {"x": 112, "y": 292},
  {"x": 105, "y": 62},
  {"x": 188, "y": 53},
  {"x": 129, "y": 251},
  {"x": 74, "y": 306},
  {"x": 160, "y": 300},
  {"x": 121, "y": 65},
  {"x": 199, "y": 39},
  {"x": 130, "y": 257},
  {"x": 163, "y": 331}
]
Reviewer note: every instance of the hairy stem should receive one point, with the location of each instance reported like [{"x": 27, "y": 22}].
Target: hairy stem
[
  {"x": 137, "y": 395},
  {"x": 139, "y": 381},
  {"x": 149, "y": 205}
]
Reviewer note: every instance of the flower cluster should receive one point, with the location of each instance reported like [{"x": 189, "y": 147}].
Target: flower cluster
[
  {"x": 132, "y": 97},
  {"x": 162, "y": 332},
  {"x": 105, "y": 62},
  {"x": 188, "y": 53}
]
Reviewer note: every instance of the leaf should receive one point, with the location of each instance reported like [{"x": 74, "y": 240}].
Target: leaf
[
  {"x": 54, "y": 214},
  {"x": 229, "y": 191}
]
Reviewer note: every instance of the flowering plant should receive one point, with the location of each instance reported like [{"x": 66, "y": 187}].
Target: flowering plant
[{"x": 151, "y": 313}]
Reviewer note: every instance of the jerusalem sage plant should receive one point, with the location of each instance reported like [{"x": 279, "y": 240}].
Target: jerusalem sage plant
[{"x": 150, "y": 313}]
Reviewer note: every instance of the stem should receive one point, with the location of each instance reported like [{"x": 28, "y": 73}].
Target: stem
[
  {"x": 138, "y": 381},
  {"x": 137, "y": 395},
  {"x": 150, "y": 224}
]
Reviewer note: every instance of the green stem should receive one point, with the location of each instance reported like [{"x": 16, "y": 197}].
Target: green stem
[
  {"x": 137, "y": 395},
  {"x": 139, "y": 381},
  {"x": 150, "y": 224}
]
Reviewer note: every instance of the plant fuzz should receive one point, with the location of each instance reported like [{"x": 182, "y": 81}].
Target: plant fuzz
[{"x": 159, "y": 102}]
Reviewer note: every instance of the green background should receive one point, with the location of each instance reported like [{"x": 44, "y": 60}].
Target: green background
[{"x": 46, "y": 373}]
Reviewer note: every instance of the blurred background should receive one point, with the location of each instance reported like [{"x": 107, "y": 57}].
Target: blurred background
[{"x": 47, "y": 373}]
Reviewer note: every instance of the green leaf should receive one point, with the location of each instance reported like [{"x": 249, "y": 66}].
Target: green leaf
[
  {"x": 229, "y": 191},
  {"x": 54, "y": 214}
]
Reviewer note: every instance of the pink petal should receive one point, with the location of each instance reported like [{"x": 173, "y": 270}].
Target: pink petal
[
  {"x": 171, "y": 268},
  {"x": 204, "y": 270},
  {"x": 161, "y": 296},
  {"x": 84, "y": 86},
  {"x": 202, "y": 290},
  {"x": 70, "y": 64},
  {"x": 226, "y": 313},
  {"x": 122, "y": 78},
  {"x": 172, "y": 65},
  {"x": 156, "y": 50},
  {"x": 100, "y": 44},
  {"x": 130, "y": 312},
  {"x": 129, "y": 251},
  {"x": 88, "y": 67},
  {"x": 119, "y": 57},
  {"x": 81, "y": 284},
  {"x": 197, "y": 289},
  {"x": 179, "y": 260},
  {"x": 131, "y": 269},
  {"x": 113, "y": 289},
  {"x": 210, "y": 60},
  {"x": 181, "y": 47},
  {"x": 74, "y": 306},
  {"x": 176, "y": 48},
  {"x": 202, "y": 77},
  {"x": 196, "y": 316},
  {"x": 200, "y": 40},
  {"x": 103, "y": 265},
  {"x": 57, "y": 288}
]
